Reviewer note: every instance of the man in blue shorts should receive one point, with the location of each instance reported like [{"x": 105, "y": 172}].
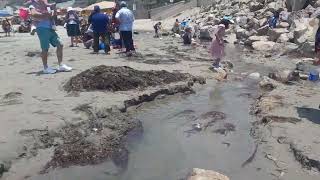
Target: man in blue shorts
[{"x": 45, "y": 29}]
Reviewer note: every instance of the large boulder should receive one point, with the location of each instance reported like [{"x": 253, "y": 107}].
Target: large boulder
[
  {"x": 296, "y": 5},
  {"x": 274, "y": 34},
  {"x": 201, "y": 174},
  {"x": 263, "y": 45}
]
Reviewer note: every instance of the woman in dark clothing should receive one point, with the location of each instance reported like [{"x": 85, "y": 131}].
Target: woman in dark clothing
[{"x": 73, "y": 26}]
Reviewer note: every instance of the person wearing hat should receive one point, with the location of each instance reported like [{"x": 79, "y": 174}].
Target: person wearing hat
[
  {"x": 99, "y": 22},
  {"x": 126, "y": 19},
  {"x": 73, "y": 26}
]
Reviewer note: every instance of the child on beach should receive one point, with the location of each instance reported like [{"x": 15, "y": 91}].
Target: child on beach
[
  {"x": 187, "y": 36},
  {"x": 157, "y": 27},
  {"x": 217, "y": 45}
]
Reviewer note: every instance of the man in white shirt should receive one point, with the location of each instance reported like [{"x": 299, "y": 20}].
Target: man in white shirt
[{"x": 126, "y": 19}]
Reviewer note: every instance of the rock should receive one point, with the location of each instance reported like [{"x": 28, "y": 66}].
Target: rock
[
  {"x": 285, "y": 76},
  {"x": 274, "y": 34},
  {"x": 242, "y": 20},
  {"x": 306, "y": 65},
  {"x": 263, "y": 30},
  {"x": 317, "y": 4},
  {"x": 307, "y": 49},
  {"x": 272, "y": 6},
  {"x": 255, "y": 6},
  {"x": 255, "y": 75},
  {"x": 302, "y": 30},
  {"x": 263, "y": 22},
  {"x": 284, "y": 25},
  {"x": 263, "y": 45},
  {"x": 201, "y": 174},
  {"x": 253, "y": 24},
  {"x": 295, "y": 5},
  {"x": 241, "y": 33},
  {"x": 204, "y": 32},
  {"x": 252, "y": 39},
  {"x": 268, "y": 84},
  {"x": 289, "y": 48},
  {"x": 283, "y": 38},
  {"x": 303, "y": 76}
]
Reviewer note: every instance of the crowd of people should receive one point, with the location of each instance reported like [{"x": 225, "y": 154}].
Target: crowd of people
[
  {"x": 96, "y": 33},
  {"x": 99, "y": 31}
]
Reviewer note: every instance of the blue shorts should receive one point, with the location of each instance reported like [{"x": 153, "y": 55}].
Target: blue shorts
[{"x": 48, "y": 36}]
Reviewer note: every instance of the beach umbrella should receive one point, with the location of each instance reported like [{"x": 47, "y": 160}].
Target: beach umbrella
[{"x": 4, "y": 13}]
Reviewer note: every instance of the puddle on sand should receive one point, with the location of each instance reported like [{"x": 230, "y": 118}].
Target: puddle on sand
[{"x": 166, "y": 152}]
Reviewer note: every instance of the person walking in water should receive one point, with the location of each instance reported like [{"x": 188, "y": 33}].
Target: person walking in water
[
  {"x": 126, "y": 19},
  {"x": 47, "y": 35},
  {"x": 217, "y": 45},
  {"x": 73, "y": 26},
  {"x": 99, "y": 23}
]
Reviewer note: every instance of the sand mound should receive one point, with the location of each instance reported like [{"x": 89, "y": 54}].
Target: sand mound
[{"x": 120, "y": 79}]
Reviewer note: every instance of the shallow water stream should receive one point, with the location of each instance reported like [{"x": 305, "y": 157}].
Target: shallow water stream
[{"x": 168, "y": 149}]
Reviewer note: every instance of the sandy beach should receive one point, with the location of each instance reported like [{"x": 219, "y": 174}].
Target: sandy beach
[{"x": 34, "y": 105}]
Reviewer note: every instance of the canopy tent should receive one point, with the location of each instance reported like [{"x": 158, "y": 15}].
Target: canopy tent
[
  {"x": 4, "y": 13},
  {"x": 105, "y": 6}
]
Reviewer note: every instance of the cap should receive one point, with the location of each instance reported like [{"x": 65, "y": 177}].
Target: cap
[{"x": 123, "y": 4}]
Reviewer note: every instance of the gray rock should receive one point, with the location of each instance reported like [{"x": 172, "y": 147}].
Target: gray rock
[
  {"x": 241, "y": 33},
  {"x": 201, "y": 174},
  {"x": 283, "y": 38},
  {"x": 252, "y": 39},
  {"x": 268, "y": 84},
  {"x": 274, "y": 34},
  {"x": 263, "y": 45},
  {"x": 263, "y": 30},
  {"x": 255, "y": 6},
  {"x": 284, "y": 25}
]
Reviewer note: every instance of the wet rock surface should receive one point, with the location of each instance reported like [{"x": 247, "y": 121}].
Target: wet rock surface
[{"x": 120, "y": 79}]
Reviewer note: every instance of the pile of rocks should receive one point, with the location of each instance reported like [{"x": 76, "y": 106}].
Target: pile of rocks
[{"x": 296, "y": 28}]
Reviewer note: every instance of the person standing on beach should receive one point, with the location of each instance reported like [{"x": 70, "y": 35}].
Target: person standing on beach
[
  {"x": 99, "y": 22},
  {"x": 217, "y": 45},
  {"x": 73, "y": 26},
  {"x": 6, "y": 26},
  {"x": 47, "y": 35},
  {"x": 126, "y": 19}
]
